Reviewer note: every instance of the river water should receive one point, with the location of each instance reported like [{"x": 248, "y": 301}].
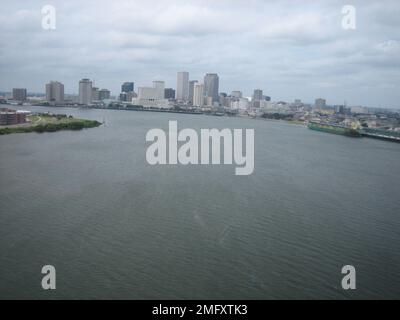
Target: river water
[{"x": 114, "y": 226}]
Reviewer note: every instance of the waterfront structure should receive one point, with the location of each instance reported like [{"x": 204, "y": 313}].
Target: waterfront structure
[
  {"x": 334, "y": 128},
  {"x": 198, "y": 95},
  {"x": 182, "y": 86},
  {"x": 128, "y": 87},
  {"x": 10, "y": 117},
  {"x": 152, "y": 96},
  {"x": 85, "y": 92},
  {"x": 19, "y": 94},
  {"x": 54, "y": 92},
  {"x": 191, "y": 90},
  {"x": 211, "y": 86},
  {"x": 169, "y": 93}
]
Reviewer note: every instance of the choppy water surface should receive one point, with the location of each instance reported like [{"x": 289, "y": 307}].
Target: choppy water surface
[{"x": 115, "y": 227}]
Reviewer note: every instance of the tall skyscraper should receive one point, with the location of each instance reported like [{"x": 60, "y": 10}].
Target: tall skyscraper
[
  {"x": 211, "y": 86},
  {"x": 85, "y": 91},
  {"x": 54, "y": 91},
  {"x": 191, "y": 90},
  {"x": 128, "y": 87},
  {"x": 198, "y": 95},
  {"x": 182, "y": 86},
  {"x": 19, "y": 94}
]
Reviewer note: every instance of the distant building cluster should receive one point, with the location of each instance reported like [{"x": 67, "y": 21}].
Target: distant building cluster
[
  {"x": 189, "y": 93},
  {"x": 203, "y": 96}
]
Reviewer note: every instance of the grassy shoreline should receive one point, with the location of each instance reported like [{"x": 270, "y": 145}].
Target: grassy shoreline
[{"x": 49, "y": 123}]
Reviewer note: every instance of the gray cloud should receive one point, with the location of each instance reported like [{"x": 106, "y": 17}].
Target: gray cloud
[{"x": 289, "y": 49}]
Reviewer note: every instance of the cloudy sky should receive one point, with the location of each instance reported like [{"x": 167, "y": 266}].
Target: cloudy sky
[{"x": 290, "y": 49}]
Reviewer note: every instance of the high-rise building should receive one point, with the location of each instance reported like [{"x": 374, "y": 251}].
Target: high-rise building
[
  {"x": 85, "y": 92},
  {"x": 54, "y": 91},
  {"x": 95, "y": 94},
  {"x": 169, "y": 93},
  {"x": 160, "y": 89},
  {"x": 258, "y": 95},
  {"x": 211, "y": 86},
  {"x": 320, "y": 104},
  {"x": 182, "y": 86},
  {"x": 19, "y": 94},
  {"x": 198, "y": 95},
  {"x": 191, "y": 90},
  {"x": 128, "y": 87},
  {"x": 104, "y": 94}
]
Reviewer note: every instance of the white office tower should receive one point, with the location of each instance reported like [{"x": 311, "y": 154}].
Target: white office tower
[
  {"x": 85, "y": 92},
  {"x": 191, "y": 90},
  {"x": 182, "y": 86},
  {"x": 152, "y": 96},
  {"x": 54, "y": 91},
  {"x": 198, "y": 95},
  {"x": 160, "y": 89}
]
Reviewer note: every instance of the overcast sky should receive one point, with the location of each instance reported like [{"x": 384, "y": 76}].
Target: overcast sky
[{"x": 290, "y": 49}]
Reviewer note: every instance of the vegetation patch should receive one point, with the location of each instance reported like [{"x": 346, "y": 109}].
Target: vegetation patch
[{"x": 50, "y": 123}]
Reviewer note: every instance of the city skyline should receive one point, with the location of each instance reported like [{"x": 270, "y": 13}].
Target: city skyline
[
  {"x": 290, "y": 52},
  {"x": 255, "y": 95}
]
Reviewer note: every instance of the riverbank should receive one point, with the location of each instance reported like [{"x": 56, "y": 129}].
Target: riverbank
[{"x": 49, "y": 123}]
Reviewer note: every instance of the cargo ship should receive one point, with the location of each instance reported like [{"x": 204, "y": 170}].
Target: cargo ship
[{"x": 334, "y": 128}]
